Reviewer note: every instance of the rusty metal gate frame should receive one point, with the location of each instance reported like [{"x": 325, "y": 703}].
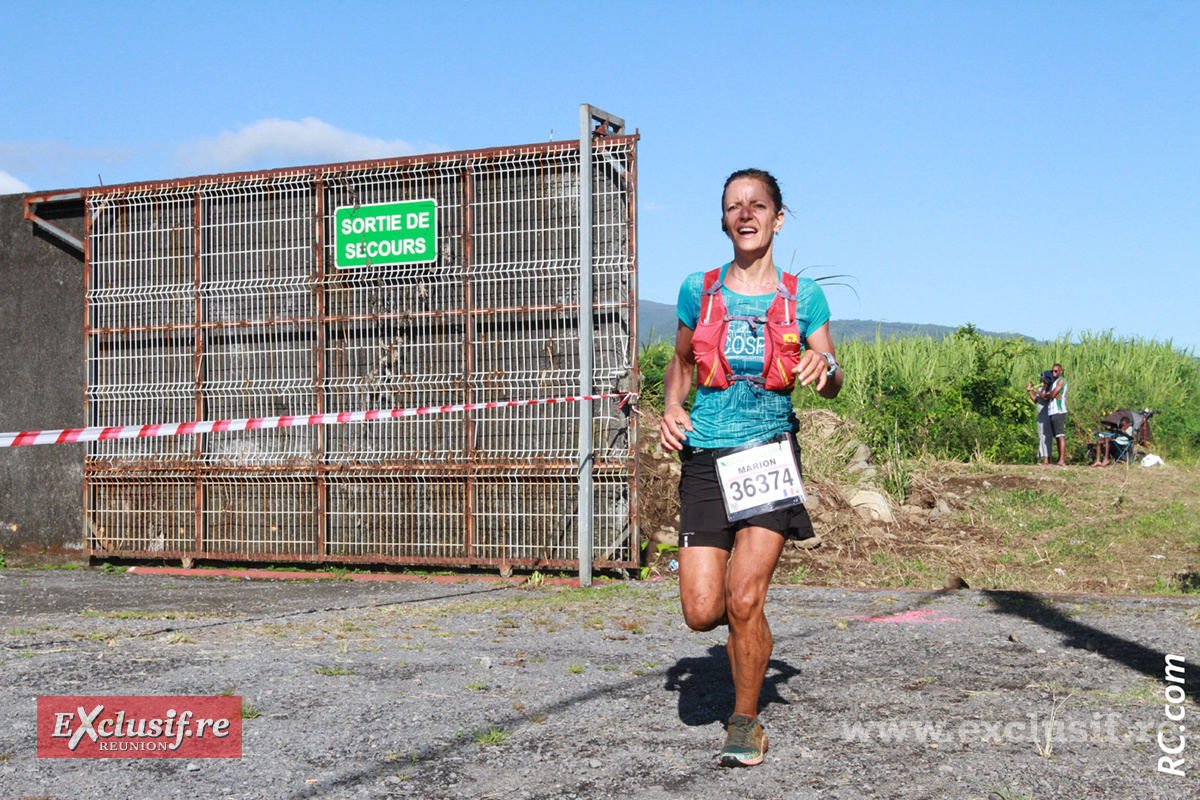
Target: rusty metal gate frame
[{"x": 290, "y": 496}]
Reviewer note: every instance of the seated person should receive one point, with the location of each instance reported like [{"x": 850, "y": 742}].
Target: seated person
[{"x": 1123, "y": 436}]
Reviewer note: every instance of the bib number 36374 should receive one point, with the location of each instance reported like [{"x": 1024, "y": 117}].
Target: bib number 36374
[{"x": 759, "y": 479}]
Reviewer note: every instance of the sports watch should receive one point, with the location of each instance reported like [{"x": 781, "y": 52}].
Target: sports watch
[{"x": 833, "y": 365}]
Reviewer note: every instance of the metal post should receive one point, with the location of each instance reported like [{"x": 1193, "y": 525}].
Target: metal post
[
  {"x": 585, "y": 344},
  {"x": 588, "y": 115}
]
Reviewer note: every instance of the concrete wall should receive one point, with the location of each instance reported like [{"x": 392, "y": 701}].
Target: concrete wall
[{"x": 41, "y": 385}]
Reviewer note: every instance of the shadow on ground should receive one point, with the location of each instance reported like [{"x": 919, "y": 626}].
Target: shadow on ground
[
  {"x": 705, "y": 686},
  {"x": 1041, "y": 611}
]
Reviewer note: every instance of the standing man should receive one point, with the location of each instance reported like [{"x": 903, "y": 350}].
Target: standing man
[{"x": 1056, "y": 401}]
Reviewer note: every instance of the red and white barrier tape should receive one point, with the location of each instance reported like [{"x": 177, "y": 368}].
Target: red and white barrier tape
[{"x": 100, "y": 434}]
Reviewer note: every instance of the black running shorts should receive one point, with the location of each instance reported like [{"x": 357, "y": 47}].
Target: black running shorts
[{"x": 702, "y": 519}]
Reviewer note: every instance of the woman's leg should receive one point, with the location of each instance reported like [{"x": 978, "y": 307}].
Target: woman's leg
[
  {"x": 750, "y": 644},
  {"x": 702, "y": 573}
]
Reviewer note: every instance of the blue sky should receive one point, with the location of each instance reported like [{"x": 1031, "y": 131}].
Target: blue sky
[{"x": 1025, "y": 166}]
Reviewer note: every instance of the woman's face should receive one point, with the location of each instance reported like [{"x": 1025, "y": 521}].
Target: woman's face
[{"x": 750, "y": 217}]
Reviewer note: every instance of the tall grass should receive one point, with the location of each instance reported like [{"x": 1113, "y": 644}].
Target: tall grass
[
  {"x": 963, "y": 397},
  {"x": 653, "y": 360},
  {"x": 959, "y": 397}
]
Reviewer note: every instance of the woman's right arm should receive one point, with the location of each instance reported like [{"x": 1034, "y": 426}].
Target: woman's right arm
[{"x": 677, "y": 382}]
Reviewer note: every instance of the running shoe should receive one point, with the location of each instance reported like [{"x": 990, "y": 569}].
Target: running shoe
[{"x": 745, "y": 743}]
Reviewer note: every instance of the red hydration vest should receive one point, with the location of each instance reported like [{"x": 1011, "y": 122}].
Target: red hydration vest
[{"x": 783, "y": 341}]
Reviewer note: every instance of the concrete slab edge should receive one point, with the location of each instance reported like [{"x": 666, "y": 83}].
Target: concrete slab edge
[{"x": 292, "y": 575}]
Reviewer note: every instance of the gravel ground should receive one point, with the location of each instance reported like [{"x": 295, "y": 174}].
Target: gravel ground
[{"x": 482, "y": 690}]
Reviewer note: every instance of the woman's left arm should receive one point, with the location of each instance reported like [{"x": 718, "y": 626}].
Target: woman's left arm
[{"x": 814, "y": 369}]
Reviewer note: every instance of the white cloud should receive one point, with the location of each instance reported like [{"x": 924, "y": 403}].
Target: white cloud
[
  {"x": 276, "y": 143},
  {"x": 10, "y": 185}
]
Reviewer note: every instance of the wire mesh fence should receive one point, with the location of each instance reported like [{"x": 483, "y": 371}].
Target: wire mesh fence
[{"x": 223, "y": 298}]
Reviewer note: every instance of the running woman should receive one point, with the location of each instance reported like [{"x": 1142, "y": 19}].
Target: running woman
[{"x": 747, "y": 333}]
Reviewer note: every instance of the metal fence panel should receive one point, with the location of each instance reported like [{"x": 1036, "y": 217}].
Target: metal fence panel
[{"x": 219, "y": 298}]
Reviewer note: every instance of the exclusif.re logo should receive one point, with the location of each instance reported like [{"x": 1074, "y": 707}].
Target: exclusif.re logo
[{"x": 139, "y": 727}]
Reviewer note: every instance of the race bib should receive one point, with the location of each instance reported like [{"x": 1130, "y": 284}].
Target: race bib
[{"x": 759, "y": 478}]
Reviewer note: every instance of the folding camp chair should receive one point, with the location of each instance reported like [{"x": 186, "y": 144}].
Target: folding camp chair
[{"x": 1121, "y": 446}]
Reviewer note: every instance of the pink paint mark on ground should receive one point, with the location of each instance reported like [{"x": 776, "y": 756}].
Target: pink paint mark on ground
[{"x": 912, "y": 616}]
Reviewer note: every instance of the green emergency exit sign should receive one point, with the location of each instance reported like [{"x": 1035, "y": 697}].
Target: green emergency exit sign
[{"x": 385, "y": 233}]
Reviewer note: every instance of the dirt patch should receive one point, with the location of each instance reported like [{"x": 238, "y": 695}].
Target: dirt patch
[
  {"x": 658, "y": 487},
  {"x": 1034, "y": 528}
]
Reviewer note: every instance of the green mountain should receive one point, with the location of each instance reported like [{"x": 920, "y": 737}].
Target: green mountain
[{"x": 657, "y": 321}]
